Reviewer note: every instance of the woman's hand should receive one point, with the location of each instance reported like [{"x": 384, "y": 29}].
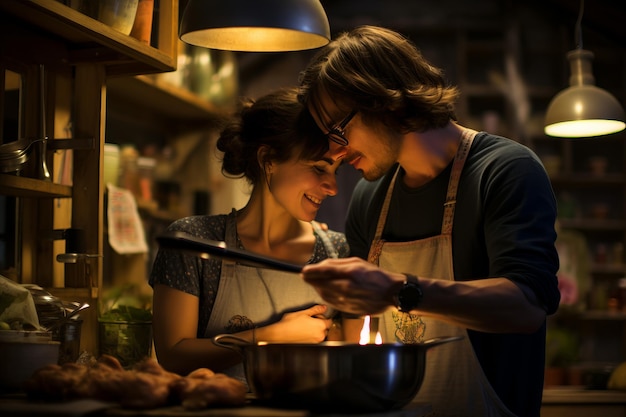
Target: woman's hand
[{"x": 304, "y": 326}]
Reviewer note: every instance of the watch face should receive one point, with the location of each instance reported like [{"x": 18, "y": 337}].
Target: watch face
[{"x": 409, "y": 297}]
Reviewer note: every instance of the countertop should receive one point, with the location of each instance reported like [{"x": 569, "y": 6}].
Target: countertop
[
  {"x": 18, "y": 406},
  {"x": 580, "y": 395}
]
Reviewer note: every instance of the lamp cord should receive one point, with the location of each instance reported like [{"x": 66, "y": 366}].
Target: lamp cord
[{"x": 579, "y": 35}]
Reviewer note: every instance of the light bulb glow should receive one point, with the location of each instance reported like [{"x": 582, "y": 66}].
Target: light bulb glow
[{"x": 584, "y": 128}]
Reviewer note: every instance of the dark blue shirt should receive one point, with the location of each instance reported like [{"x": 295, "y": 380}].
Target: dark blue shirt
[{"x": 503, "y": 227}]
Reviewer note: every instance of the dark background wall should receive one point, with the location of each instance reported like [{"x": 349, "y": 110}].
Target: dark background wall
[{"x": 456, "y": 35}]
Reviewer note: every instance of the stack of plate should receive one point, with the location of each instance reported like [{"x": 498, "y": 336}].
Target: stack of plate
[{"x": 22, "y": 353}]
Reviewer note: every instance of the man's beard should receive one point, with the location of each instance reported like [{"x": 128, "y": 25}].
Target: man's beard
[
  {"x": 376, "y": 172},
  {"x": 386, "y": 158}
]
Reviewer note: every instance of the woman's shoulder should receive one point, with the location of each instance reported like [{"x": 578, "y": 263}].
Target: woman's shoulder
[
  {"x": 202, "y": 226},
  {"x": 335, "y": 235},
  {"x": 338, "y": 240}
]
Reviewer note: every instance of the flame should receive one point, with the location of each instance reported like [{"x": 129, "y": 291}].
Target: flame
[
  {"x": 365, "y": 332},
  {"x": 366, "y": 335}
]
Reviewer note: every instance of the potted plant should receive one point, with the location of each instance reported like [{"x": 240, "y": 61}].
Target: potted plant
[
  {"x": 561, "y": 353},
  {"x": 125, "y": 324}
]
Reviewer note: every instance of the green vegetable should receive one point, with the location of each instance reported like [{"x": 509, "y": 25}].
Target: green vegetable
[
  {"x": 127, "y": 313},
  {"x": 4, "y": 325}
]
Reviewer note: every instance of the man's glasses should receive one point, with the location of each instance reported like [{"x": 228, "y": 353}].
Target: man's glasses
[{"x": 337, "y": 132}]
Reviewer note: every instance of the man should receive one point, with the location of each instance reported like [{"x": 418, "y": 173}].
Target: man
[{"x": 452, "y": 229}]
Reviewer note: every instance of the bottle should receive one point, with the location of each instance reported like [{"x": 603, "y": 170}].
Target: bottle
[
  {"x": 129, "y": 173},
  {"x": 111, "y": 162},
  {"x": 145, "y": 168}
]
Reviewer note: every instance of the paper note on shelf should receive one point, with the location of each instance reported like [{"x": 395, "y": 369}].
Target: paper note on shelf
[{"x": 126, "y": 234}]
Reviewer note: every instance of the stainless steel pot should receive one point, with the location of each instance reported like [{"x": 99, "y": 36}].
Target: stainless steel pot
[{"x": 334, "y": 376}]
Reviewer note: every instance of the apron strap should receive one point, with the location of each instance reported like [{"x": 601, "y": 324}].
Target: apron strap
[
  {"x": 467, "y": 138},
  {"x": 230, "y": 238},
  {"x": 376, "y": 246}
]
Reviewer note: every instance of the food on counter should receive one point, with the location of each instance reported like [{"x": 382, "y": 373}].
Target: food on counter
[
  {"x": 146, "y": 385},
  {"x": 203, "y": 387},
  {"x": 617, "y": 380}
]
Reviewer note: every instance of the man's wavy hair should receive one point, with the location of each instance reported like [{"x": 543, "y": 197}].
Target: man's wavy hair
[{"x": 384, "y": 76}]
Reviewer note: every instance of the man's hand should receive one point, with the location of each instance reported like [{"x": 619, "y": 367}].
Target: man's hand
[{"x": 353, "y": 285}]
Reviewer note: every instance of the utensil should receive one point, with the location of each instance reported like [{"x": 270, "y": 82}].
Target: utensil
[
  {"x": 14, "y": 154},
  {"x": 42, "y": 165},
  {"x": 334, "y": 376},
  {"x": 68, "y": 317},
  {"x": 207, "y": 248}
]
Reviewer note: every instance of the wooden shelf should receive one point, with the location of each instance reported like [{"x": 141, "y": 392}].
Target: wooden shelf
[
  {"x": 588, "y": 180},
  {"x": 603, "y": 315},
  {"x": 609, "y": 268},
  {"x": 588, "y": 315},
  {"x": 84, "y": 39},
  {"x": 29, "y": 187},
  {"x": 592, "y": 224},
  {"x": 163, "y": 97}
]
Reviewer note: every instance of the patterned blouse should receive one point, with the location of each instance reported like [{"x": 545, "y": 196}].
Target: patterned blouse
[{"x": 201, "y": 277}]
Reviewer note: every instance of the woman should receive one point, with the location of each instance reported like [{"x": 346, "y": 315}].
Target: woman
[{"x": 196, "y": 299}]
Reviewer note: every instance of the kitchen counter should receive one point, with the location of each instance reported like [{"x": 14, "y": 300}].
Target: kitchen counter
[
  {"x": 256, "y": 411},
  {"x": 18, "y": 406},
  {"x": 579, "y": 402},
  {"x": 557, "y": 402},
  {"x": 579, "y": 395}
]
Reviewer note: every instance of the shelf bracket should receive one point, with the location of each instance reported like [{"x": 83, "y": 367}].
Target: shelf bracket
[{"x": 83, "y": 144}]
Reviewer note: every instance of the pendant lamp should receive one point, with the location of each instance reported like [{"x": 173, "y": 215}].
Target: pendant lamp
[
  {"x": 255, "y": 25},
  {"x": 583, "y": 110}
]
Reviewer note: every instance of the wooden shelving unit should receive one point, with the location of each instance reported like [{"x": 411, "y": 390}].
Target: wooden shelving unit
[
  {"x": 29, "y": 187},
  {"x": 80, "y": 55},
  {"x": 598, "y": 200}
]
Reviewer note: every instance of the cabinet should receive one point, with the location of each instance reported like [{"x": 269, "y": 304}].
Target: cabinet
[{"x": 79, "y": 54}]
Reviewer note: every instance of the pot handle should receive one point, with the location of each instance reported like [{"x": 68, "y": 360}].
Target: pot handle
[
  {"x": 436, "y": 341},
  {"x": 231, "y": 342}
]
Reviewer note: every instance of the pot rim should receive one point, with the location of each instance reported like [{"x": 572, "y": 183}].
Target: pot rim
[{"x": 237, "y": 343}]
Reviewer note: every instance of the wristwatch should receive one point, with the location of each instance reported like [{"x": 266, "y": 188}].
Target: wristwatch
[{"x": 410, "y": 295}]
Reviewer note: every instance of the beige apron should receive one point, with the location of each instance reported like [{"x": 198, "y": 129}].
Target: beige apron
[
  {"x": 250, "y": 297},
  {"x": 454, "y": 383}
]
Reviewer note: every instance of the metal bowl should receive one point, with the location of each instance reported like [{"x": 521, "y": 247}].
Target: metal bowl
[{"x": 334, "y": 376}]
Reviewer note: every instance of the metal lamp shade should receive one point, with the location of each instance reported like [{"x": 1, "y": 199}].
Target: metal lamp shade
[
  {"x": 583, "y": 110},
  {"x": 255, "y": 25}
]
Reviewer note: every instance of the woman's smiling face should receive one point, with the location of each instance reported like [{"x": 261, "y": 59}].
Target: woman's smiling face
[{"x": 300, "y": 185}]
